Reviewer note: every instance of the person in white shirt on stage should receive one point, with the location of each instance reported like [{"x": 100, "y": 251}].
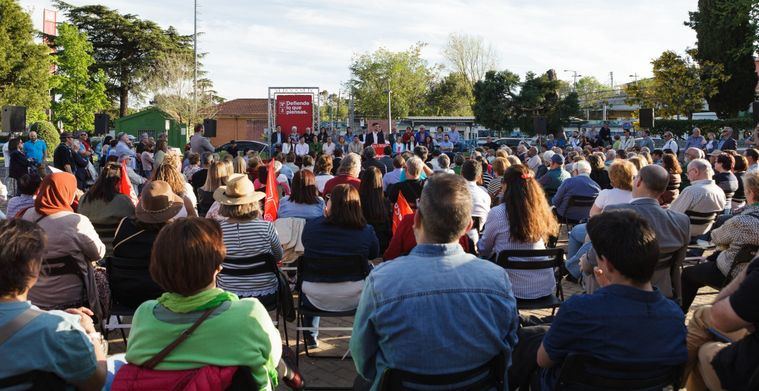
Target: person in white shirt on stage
[
  {"x": 328, "y": 148},
  {"x": 374, "y": 137},
  {"x": 301, "y": 148}
]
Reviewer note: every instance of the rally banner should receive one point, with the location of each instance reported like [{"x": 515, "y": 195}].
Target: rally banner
[{"x": 294, "y": 110}]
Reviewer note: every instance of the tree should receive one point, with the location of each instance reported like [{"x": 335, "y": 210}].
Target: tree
[
  {"x": 24, "y": 64},
  {"x": 728, "y": 35},
  {"x": 46, "y": 131},
  {"x": 539, "y": 96},
  {"x": 126, "y": 47},
  {"x": 679, "y": 85},
  {"x": 451, "y": 96},
  {"x": 494, "y": 100},
  {"x": 172, "y": 85},
  {"x": 333, "y": 107},
  {"x": 470, "y": 56},
  {"x": 81, "y": 92},
  {"x": 405, "y": 73}
]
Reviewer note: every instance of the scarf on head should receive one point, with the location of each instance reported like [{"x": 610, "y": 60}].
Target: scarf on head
[
  {"x": 56, "y": 194},
  {"x": 209, "y": 298}
]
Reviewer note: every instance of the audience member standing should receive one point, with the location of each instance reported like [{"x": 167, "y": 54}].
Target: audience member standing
[
  {"x": 198, "y": 143},
  {"x": 20, "y": 165},
  {"x": 35, "y": 148}
]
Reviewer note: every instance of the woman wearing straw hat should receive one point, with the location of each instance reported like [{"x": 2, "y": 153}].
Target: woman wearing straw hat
[
  {"x": 246, "y": 237},
  {"x": 133, "y": 244}
]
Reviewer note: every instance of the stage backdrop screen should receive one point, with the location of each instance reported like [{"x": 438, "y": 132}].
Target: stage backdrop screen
[{"x": 295, "y": 110}]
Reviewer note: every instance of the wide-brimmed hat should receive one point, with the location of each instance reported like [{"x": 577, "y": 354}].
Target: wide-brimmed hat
[
  {"x": 238, "y": 191},
  {"x": 158, "y": 203}
]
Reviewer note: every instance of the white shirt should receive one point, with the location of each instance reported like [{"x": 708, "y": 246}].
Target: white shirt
[
  {"x": 753, "y": 167},
  {"x": 534, "y": 162},
  {"x": 629, "y": 142},
  {"x": 671, "y": 145},
  {"x": 328, "y": 149},
  {"x": 286, "y": 147},
  {"x": 301, "y": 149},
  {"x": 612, "y": 197},
  {"x": 322, "y": 180},
  {"x": 480, "y": 201},
  {"x": 6, "y": 156}
]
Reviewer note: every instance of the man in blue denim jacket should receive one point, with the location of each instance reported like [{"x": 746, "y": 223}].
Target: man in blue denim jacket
[{"x": 437, "y": 310}]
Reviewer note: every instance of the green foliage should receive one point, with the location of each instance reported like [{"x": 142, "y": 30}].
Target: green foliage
[
  {"x": 679, "y": 86},
  {"x": 46, "y": 131},
  {"x": 81, "y": 92},
  {"x": 706, "y": 126},
  {"x": 451, "y": 96},
  {"x": 332, "y": 107},
  {"x": 405, "y": 73},
  {"x": 24, "y": 64},
  {"x": 126, "y": 47},
  {"x": 494, "y": 100},
  {"x": 592, "y": 93},
  {"x": 728, "y": 34}
]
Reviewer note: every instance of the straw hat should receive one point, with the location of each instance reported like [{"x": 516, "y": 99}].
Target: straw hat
[
  {"x": 158, "y": 203},
  {"x": 238, "y": 191}
]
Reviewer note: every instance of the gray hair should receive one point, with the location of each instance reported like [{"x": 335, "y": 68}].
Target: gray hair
[
  {"x": 414, "y": 167},
  {"x": 582, "y": 167},
  {"x": 350, "y": 165},
  {"x": 702, "y": 165},
  {"x": 444, "y": 161},
  {"x": 611, "y": 154}
]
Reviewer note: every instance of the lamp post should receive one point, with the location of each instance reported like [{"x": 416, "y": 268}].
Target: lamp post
[
  {"x": 389, "y": 112},
  {"x": 575, "y": 75}
]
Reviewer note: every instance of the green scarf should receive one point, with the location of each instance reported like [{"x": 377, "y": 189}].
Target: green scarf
[{"x": 210, "y": 298}]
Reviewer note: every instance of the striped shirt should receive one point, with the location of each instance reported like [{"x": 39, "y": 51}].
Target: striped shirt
[
  {"x": 496, "y": 237},
  {"x": 244, "y": 240}
]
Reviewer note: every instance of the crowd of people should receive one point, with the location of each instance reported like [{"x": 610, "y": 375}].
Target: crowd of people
[{"x": 181, "y": 240}]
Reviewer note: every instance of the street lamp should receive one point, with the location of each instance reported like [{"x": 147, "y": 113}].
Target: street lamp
[
  {"x": 389, "y": 112},
  {"x": 575, "y": 75}
]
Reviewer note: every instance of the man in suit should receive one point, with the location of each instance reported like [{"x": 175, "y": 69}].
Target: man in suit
[
  {"x": 276, "y": 137},
  {"x": 727, "y": 142},
  {"x": 374, "y": 137},
  {"x": 672, "y": 228},
  {"x": 198, "y": 143}
]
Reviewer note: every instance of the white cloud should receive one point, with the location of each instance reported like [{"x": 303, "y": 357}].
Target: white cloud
[{"x": 252, "y": 45}]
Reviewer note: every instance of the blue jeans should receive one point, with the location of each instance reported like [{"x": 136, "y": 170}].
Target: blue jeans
[
  {"x": 310, "y": 321},
  {"x": 576, "y": 248}
]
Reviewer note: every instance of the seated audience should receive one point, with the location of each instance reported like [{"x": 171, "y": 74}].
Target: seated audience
[
  {"x": 102, "y": 203},
  {"x": 72, "y": 245},
  {"x": 739, "y": 231},
  {"x": 245, "y": 236},
  {"x": 411, "y": 187},
  {"x": 403, "y": 240},
  {"x": 480, "y": 197},
  {"x": 194, "y": 166},
  {"x": 724, "y": 177},
  {"x": 670, "y": 163},
  {"x": 445, "y": 284},
  {"x": 443, "y": 164},
  {"x": 169, "y": 172},
  {"x": 702, "y": 196},
  {"x": 216, "y": 177},
  {"x": 621, "y": 174},
  {"x": 304, "y": 201},
  {"x": 131, "y": 284},
  {"x": 238, "y": 332},
  {"x": 308, "y": 163},
  {"x": 325, "y": 237},
  {"x": 598, "y": 171},
  {"x": 555, "y": 175},
  {"x": 240, "y": 166},
  {"x": 387, "y": 158},
  {"x": 723, "y": 346},
  {"x": 394, "y": 176},
  {"x": 369, "y": 160},
  {"x": 199, "y": 177},
  {"x": 62, "y": 344},
  {"x": 739, "y": 198},
  {"x": 500, "y": 164},
  {"x": 323, "y": 171},
  {"x": 523, "y": 221},
  {"x": 578, "y": 185},
  {"x": 375, "y": 206},
  {"x": 647, "y": 327},
  {"x": 27, "y": 188},
  {"x": 350, "y": 167}
]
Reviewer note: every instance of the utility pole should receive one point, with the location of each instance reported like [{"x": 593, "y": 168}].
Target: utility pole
[
  {"x": 575, "y": 75},
  {"x": 611, "y": 76},
  {"x": 635, "y": 77}
]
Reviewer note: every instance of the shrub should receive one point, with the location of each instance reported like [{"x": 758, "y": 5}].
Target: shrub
[
  {"x": 684, "y": 127},
  {"x": 47, "y": 131}
]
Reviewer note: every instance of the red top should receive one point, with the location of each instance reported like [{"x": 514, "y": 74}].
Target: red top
[
  {"x": 404, "y": 240},
  {"x": 339, "y": 180}
]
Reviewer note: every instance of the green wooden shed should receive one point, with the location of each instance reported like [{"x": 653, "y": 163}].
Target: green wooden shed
[{"x": 153, "y": 121}]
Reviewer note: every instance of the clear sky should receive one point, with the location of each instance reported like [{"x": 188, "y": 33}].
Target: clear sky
[{"x": 255, "y": 44}]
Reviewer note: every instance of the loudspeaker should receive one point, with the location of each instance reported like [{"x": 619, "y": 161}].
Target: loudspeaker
[
  {"x": 209, "y": 127},
  {"x": 540, "y": 125},
  {"x": 755, "y": 109},
  {"x": 646, "y": 118},
  {"x": 14, "y": 118},
  {"x": 101, "y": 123}
]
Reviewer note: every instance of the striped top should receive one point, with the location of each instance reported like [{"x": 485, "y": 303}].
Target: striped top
[{"x": 244, "y": 240}]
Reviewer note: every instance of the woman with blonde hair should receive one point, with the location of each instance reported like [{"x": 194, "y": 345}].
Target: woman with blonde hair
[
  {"x": 169, "y": 172},
  {"x": 638, "y": 161},
  {"x": 621, "y": 175},
  {"x": 217, "y": 177},
  {"x": 523, "y": 221},
  {"x": 239, "y": 166}
]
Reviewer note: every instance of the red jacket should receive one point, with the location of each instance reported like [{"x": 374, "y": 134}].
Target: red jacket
[
  {"x": 133, "y": 378},
  {"x": 339, "y": 180},
  {"x": 404, "y": 240}
]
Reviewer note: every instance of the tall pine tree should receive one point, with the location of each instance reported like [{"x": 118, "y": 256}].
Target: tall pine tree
[
  {"x": 24, "y": 64},
  {"x": 727, "y": 35},
  {"x": 80, "y": 92}
]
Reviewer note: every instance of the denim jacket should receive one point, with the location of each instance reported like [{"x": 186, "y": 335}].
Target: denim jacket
[{"x": 437, "y": 310}]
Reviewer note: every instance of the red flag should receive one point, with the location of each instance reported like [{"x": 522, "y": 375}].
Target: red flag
[
  {"x": 125, "y": 186},
  {"x": 272, "y": 195},
  {"x": 400, "y": 210}
]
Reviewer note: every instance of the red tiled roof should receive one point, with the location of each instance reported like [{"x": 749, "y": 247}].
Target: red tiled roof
[{"x": 243, "y": 107}]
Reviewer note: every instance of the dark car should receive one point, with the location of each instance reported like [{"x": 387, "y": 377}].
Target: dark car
[{"x": 246, "y": 145}]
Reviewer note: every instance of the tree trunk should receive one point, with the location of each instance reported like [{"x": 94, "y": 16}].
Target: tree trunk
[{"x": 123, "y": 101}]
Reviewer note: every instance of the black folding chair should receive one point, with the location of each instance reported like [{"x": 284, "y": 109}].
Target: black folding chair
[
  {"x": 116, "y": 270},
  {"x": 106, "y": 232},
  {"x": 575, "y": 202},
  {"x": 588, "y": 373},
  {"x": 555, "y": 263},
  {"x": 326, "y": 270},
  {"x": 673, "y": 263},
  {"x": 36, "y": 380},
  {"x": 702, "y": 218},
  {"x": 485, "y": 377}
]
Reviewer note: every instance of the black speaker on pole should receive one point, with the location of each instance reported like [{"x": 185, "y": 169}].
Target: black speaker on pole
[
  {"x": 646, "y": 117},
  {"x": 209, "y": 127},
  {"x": 540, "y": 125},
  {"x": 755, "y": 109},
  {"x": 101, "y": 123},
  {"x": 14, "y": 118}
]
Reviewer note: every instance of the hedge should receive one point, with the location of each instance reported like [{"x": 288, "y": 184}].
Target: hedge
[
  {"x": 684, "y": 127},
  {"x": 46, "y": 131}
]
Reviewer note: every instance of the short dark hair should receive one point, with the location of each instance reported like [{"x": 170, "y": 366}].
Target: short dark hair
[
  {"x": 627, "y": 241},
  {"x": 388, "y": 150},
  {"x": 726, "y": 160},
  {"x": 752, "y": 153},
  {"x": 399, "y": 161},
  {"x": 187, "y": 268},
  {"x": 421, "y": 151},
  {"x": 345, "y": 208},
  {"x": 198, "y": 128},
  {"x": 445, "y": 207},
  {"x": 28, "y": 184},
  {"x": 471, "y": 170},
  {"x": 20, "y": 255},
  {"x": 194, "y": 158}
]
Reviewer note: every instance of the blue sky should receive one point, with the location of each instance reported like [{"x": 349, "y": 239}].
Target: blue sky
[{"x": 255, "y": 44}]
